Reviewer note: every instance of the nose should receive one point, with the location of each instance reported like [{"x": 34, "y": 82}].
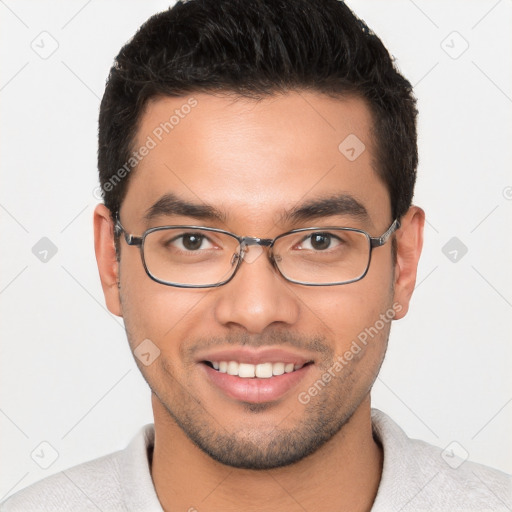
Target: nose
[{"x": 257, "y": 296}]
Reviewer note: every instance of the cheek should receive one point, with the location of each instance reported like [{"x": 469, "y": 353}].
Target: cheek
[
  {"x": 349, "y": 310},
  {"x": 163, "y": 314}
]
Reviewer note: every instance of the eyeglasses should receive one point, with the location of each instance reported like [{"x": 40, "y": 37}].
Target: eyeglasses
[{"x": 201, "y": 257}]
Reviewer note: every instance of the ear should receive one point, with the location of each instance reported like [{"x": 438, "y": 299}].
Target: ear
[
  {"x": 108, "y": 265},
  {"x": 409, "y": 239}
]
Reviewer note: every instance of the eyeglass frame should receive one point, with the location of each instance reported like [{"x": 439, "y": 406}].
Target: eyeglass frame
[{"x": 245, "y": 241}]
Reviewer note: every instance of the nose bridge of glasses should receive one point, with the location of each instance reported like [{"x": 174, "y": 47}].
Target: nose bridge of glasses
[
  {"x": 249, "y": 240},
  {"x": 245, "y": 243}
]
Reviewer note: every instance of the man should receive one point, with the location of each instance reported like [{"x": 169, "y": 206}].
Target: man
[{"x": 258, "y": 162}]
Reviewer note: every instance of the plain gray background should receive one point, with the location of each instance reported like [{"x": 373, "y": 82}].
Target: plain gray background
[{"x": 67, "y": 376}]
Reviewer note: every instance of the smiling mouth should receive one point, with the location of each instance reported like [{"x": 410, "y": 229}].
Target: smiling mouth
[{"x": 252, "y": 371}]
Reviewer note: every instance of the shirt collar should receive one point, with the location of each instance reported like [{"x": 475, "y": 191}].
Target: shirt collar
[{"x": 139, "y": 491}]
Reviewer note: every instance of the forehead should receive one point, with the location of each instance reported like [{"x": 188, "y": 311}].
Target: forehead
[{"x": 254, "y": 159}]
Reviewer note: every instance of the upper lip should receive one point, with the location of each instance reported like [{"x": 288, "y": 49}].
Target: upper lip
[{"x": 255, "y": 356}]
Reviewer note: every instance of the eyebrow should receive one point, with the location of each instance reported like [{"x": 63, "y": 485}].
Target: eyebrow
[
  {"x": 341, "y": 204},
  {"x": 169, "y": 204}
]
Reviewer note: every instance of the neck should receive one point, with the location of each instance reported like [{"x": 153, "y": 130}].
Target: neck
[{"x": 342, "y": 475}]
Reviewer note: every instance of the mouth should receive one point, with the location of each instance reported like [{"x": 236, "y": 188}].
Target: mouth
[
  {"x": 265, "y": 370},
  {"x": 254, "y": 376}
]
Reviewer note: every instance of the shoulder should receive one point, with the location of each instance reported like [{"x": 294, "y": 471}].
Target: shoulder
[
  {"x": 87, "y": 486},
  {"x": 419, "y": 476},
  {"x": 114, "y": 482}
]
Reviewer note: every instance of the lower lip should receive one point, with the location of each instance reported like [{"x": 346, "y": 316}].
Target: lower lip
[{"x": 255, "y": 390}]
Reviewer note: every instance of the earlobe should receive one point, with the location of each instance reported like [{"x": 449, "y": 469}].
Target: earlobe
[
  {"x": 409, "y": 240},
  {"x": 108, "y": 266}
]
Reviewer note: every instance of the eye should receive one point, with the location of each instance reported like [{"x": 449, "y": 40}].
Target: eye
[
  {"x": 320, "y": 242},
  {"x": 191, "y": 242}
]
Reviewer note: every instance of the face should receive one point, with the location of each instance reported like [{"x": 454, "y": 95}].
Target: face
[{"x": 257, "y": 169}]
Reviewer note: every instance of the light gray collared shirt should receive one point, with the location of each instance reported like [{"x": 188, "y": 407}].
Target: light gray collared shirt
[{"x": 415, "y": 477}]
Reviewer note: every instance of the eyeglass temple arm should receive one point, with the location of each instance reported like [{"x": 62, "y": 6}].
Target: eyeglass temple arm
[
  {"x": 119, "y": 230},
  {"x": 381, "y": 240}
]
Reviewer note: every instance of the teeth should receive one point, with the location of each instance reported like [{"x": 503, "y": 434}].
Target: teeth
[
  {"x": 233, "y": 368},
  {"x": 264, "y": 370},
  {"x": 249, "y": 371},
  {"x": 278, "y": 368},
  {"x": 246, "y": 370}
]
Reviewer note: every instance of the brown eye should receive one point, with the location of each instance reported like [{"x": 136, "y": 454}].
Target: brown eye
[
  {"x": 320, "y": 241},
  {"x": 192, "y": 242},
  {"x": 189, "y": 242}
]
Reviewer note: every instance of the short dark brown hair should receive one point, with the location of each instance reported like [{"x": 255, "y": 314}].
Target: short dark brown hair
[{"x": 254, "y": 49}]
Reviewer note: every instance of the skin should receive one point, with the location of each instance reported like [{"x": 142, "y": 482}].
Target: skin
[{"x": 253, "y": 160}]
